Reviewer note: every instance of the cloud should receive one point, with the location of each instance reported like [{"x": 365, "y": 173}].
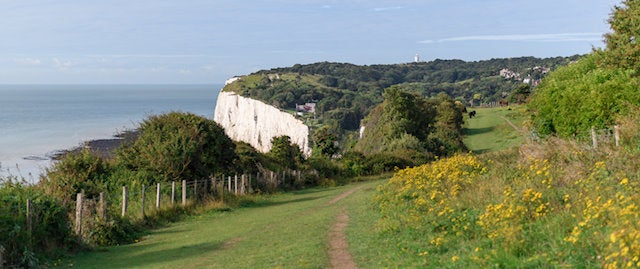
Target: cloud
[
  {"x": 380, "y": 9},
  {"x": 62, "y": 64},
  {"x": 145, "y": 56},
  {"x": 563, "y": 37},
  {"x": 27, "y": 61}
]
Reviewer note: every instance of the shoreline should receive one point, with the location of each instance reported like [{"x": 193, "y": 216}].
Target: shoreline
[{"x": 104, "y": 148}]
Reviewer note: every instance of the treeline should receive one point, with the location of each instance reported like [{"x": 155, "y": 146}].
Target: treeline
[
  {"x": 457, "y": 78},
  {"x": 345, "y": 94}
]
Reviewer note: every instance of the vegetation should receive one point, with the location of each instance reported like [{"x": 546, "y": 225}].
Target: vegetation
[
  {"x": 548, "y": 203},
  {"x": 598, "y": 89},
  {"x": 412, "y": 128},
  {"x": 623, "y": 50},
  {"x": 345, "y": 94},
  {"x": 177, "y": 146},
  {"x": 268, "y": 231},
  {"x": 576, "y": 97},
  {"x": 551, "y": 204},
  {"x": 49, "y": 234},
  {"x": 490, "y": 130}
]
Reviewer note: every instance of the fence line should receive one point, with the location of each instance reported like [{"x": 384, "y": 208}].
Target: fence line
[
  {"x": 93, "y": 208},
  {"x": 90, "y": 211},
  {"x": 595, "y": 137}
]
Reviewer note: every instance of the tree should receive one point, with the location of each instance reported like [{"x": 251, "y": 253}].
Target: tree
[
  {"x": 285, "y": 153},
  {"x": 324, "y": 139},
  {"x": 178, "y": 146},
  {"x": 520, "y": 94},
  {"x": 623, "y": 46}
]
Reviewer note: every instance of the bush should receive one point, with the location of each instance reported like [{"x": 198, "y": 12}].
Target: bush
[
  {"x": 576, "y": 97},
  {"x": 325, "y": 167},
  {"x": 178, "y": 146},
  {"x": 50, "y": 233},
  {"x": 118, "y": 230},
  {"x": 76, "y": 172}
]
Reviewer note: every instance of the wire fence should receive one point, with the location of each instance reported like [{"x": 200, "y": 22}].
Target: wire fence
[
  {"x": 136, "y": 202},
  {"x": 594, "y": 138}
]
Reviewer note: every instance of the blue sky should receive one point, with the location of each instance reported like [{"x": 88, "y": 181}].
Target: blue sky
[{"x": 197, "y": 41}]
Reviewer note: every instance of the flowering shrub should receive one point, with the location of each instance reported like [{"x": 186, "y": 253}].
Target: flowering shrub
[
  {"x": 425, "y": 193},
  {"x": 534, "y": 214}
]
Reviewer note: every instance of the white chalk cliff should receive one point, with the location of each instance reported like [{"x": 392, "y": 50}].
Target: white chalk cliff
[{"x": 254, "y": 122}]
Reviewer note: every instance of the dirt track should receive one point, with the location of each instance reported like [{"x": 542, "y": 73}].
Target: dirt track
[{"x": 338, "y": 245}]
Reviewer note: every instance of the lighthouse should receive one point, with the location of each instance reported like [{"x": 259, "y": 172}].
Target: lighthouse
[{"x": 416, "y": 58}]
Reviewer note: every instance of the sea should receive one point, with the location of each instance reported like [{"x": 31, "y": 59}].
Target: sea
[{"x": 37, "y": 121}]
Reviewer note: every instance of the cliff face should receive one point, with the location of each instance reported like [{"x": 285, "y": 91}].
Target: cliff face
[{"x": 255, "y": 122}]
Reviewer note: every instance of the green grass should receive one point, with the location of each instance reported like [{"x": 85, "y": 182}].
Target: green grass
[
  {"x": 281, "y": 231},
  {"x": 489, "y": 131}
]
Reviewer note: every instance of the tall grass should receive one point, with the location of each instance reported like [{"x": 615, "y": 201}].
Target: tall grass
[{"x": 551, "y": 204}]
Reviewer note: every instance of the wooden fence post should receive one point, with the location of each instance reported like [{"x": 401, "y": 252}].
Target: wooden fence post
[
  {"x": 173, "y": 192},
  {"x": 29, "y": 227},
  {"x": 184, "y": 193},
  {"x": 616, "y": 134},
  {"x": 235, "y": 185},
  {"x": 214, "y": 189},
  {"x": 158, "y": 196},
  {"x": 272, "y": 180},
  {"x": 206, "y": 188},
  {"x": 144, "y": 189},
  {"x": 594, "y": 138},
  {"x": 229, "y": 184},
  {"x": 79, "y": 214},
  {"x": 242, "y": 181},
  {"x": 195, "y": 190},
  {"x": 124, "y": 200},
  {"x": 102, "y": 211}
]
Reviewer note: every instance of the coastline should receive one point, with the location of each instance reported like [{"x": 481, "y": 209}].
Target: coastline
[{"x": 104, "y": 148}]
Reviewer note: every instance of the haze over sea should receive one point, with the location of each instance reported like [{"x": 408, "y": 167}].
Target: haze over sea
[{"x": 38, "y": 120}]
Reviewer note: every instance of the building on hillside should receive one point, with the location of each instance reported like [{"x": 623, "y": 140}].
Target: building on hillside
[
  {"x": 306, "y": 108},
  {"x": 509, "y": 74}
]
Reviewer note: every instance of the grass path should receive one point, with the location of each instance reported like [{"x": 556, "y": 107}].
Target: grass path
[
  {"x": 291, "y": 230},
  {"x": 494, "y": 129}
]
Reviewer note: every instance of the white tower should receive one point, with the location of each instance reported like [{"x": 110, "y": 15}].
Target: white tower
[{"x": 416, "y": 58}]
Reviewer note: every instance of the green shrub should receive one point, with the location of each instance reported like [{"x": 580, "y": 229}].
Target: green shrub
[
  {"x": 50, "y": 234},
  {"x": 118, "y": 230},
  {"x": 178, "y": 146},
  {"x": 325, "y": 167},
  {"x": 285, "y": 153},
  {"x": 576, "y": 97},
  {"x": 77, "y": 172}
]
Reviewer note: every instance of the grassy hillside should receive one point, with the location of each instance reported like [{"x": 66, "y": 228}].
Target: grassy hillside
[{"x": 490, "y": 130}]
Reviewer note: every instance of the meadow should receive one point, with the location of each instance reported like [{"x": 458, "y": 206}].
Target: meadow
[{"x": 288, "y": 230}]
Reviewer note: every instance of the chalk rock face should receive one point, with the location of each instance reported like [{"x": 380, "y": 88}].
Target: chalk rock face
[{"x": 254, "y": 122}]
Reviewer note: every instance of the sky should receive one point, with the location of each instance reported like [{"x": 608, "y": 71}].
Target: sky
[{"x": 207, "y": 42}]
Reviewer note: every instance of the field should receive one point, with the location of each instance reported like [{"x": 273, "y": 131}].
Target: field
[
  {"x": 290, "y": 230},
  {"x": 495, "y": 129}
]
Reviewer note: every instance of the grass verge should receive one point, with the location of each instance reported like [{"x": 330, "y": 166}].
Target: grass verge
[
  {"x": 281, "y": 231},
  {"x": 489, "y": 131}
]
